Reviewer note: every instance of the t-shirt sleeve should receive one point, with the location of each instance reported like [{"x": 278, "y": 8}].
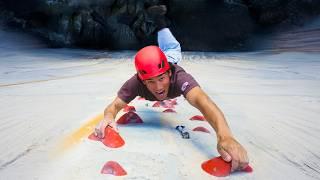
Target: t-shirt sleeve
[
  {"x": 129, "y": 90},
  {"x": 185, "y": 82}
]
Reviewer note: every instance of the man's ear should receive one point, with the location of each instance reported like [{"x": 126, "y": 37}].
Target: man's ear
[{"x": 170, "y": 73}]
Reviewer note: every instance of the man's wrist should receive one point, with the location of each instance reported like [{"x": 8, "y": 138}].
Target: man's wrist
[
  {"x": 224, "y": 135},
  {"x": 107, "y": 118}
]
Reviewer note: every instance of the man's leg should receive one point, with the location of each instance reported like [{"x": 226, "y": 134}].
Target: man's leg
[
  {"x": 169, "y": 45},
  {"x": 167, "y": 42}
]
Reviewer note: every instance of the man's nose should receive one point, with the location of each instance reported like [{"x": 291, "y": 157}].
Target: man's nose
[{"x": 159, "y": 85}]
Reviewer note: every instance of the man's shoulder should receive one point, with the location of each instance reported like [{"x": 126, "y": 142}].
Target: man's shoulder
[
  {"x": 134, "y": 79},
  {"x": 130, "y": 89},
  {"x": 177, "y": 69},
  {"x": 182, "y": 82},
  {"x": 177, "y": 66}
]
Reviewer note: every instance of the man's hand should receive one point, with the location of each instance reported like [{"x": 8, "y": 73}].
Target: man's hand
[
  {"x": 100, "y": 128},
  {"x": 231, "y": 150}
]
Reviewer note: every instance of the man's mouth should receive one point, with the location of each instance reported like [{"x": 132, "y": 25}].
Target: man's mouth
[{"x": 161, "y": 93}]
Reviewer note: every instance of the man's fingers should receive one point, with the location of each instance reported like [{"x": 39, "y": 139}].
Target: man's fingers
[
  {"x": 244, "y": 162},
  {"x": 225, "y": 156},
  {"x": 114, "y": 126},
  {"x": 97, "y": 133},
  {"x": 234, "y": 165},
  {"x": 243, "y": 165},
  {"x": 231, "y": 150}
]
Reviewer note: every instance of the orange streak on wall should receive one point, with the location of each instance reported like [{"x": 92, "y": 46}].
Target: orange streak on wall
[{"x": 83, "y": 132}]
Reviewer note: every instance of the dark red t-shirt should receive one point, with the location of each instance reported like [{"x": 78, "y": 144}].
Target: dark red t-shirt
[{"x": 180, "y": 83}]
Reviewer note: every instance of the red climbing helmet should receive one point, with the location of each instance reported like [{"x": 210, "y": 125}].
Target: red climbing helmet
[{"x": 150, "y": 62}]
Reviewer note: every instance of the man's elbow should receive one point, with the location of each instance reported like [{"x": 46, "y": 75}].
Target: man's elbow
[{"x": 197, "y": 97}]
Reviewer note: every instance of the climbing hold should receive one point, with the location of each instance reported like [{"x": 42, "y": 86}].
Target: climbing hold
[
  {"x": 156, "y": 104},
  {"x": 247, "y": 169},
  {"x": 202, "y": 129},
  {"x": 197, "y": 118},
  {"x": 128, "y": 108},
  {"x": 111, "y": 138},
  {"x": 184, "y": 134},
  {"x": 129, "y": 117},
  {"x": 217, "y": 167},
  {"x": 169, "y": 111},
  {"x": 174, "y": 102},
  {"x": 113, "y": 168},
  {"x": 220, "y": 168},
  {"x": 164, "y": 104},
  {"x": 94, "y": 137},
  {"x": 167, "y": 103}
]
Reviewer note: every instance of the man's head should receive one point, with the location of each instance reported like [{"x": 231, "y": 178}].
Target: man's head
[{"x": 154, "y": 70}]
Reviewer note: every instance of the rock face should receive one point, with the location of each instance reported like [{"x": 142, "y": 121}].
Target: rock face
[
  {"x": 268, "y": 12},
  {"x": 203, "y": 25},
  {"x": 210, "y": 25}
]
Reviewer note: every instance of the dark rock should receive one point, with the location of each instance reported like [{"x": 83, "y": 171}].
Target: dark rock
[
  {"x": 210, "y": 25},
  {"x": 202, "y": 25},
  {"x": 270, "y": 12}
]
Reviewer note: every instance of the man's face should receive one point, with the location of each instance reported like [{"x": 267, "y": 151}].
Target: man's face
[{"x": 159, "y": 86}]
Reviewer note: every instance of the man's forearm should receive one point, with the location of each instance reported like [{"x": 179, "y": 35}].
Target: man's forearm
[
  {"x": 109, "y": 113},
  {"x": 215, "y": 118},
  {"x": 200, "y": 100},
  {"x": 112, "y": 109}
]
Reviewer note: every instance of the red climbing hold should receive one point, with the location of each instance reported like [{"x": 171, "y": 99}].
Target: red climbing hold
[
  {"x": 200, "y": 128},
  {"x": 113, "y": 168},
  {"x": 129, "y": 117},
  {"x": 198, "y": 118},
  {"x": 174, "y": 102},
  {"x": 169, "y": 111},
  {"x": 111, "y": 138},
  {"x": 128, "y": 108},
  {"x": 167, "y": 105},
  {"x": 164, "y": 104},
  {"x": 248, "y": 169},
  {"x": 220, "y": 168},
  {"x": 217, "y": 167},
  {"x": 156, "y": 104},
  {"x": 94, "y": 137}
]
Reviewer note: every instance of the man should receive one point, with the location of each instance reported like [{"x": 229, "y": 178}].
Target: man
[{"x": 159, "y": 78}]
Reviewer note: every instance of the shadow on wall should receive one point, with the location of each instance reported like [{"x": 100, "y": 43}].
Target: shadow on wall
[{"x": 296, "y": 39}]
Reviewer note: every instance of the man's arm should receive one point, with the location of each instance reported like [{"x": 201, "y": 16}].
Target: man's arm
[
  {"x": 227, "y": 146},
  {"x": 110, "y": 113},
  {"x": 112, "y": 109}
]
